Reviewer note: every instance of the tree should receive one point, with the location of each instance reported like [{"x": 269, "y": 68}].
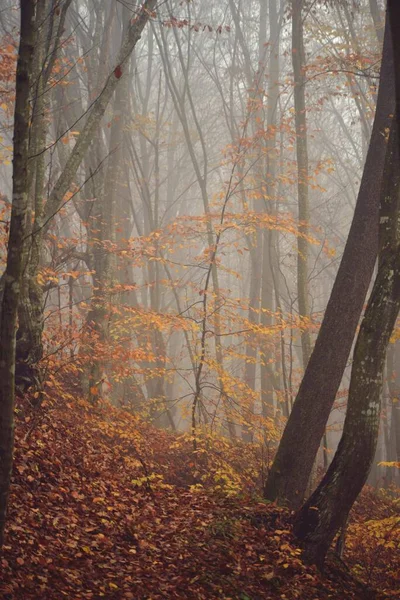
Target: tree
[
  {"x": 326, "y": 511},
  {"x": 48, "y": 29},
  {"x": 291, "y": 469},
  {"x": 22, "y": 255},
  {"x": 32, "y": 327},
  {"x": 15, "y": 252},
  {"x": 298, "y": 61},
  {"x": 394, "y": 18}
]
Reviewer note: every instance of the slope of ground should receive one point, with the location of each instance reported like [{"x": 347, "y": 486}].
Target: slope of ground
[{"x": 105, "y": 506}]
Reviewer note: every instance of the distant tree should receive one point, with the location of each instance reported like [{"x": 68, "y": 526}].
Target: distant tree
[{"x": 298, "y": 61}]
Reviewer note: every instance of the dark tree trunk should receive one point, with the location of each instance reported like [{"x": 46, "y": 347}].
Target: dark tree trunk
[
  {"x": 393, "y": 375},
  {"x": 393, "y": 12},
  {"x": 298, "y": 448},
  {"x": 15, "y": 254},
  {"x": 29, "y": 348},
  {"x": 327, "y": 509}
]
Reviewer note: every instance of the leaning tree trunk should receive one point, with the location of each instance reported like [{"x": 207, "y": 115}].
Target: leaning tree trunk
[
  {"x": 15, "y": 254},
  {"x": 290, "y": 472},
  {"x": 328, "y": 507}
]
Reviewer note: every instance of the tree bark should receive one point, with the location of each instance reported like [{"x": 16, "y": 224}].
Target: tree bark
[
  {"x": 29, "y": 347},
  {"x": 328, "y": 507},
  {"x": 393, "y": 375},
  {"x": 15, "y": 253},
  {"x": 290, "y": 472}
]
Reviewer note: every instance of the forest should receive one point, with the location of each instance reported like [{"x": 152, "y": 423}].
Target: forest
[{"x": 199, "y": 299}]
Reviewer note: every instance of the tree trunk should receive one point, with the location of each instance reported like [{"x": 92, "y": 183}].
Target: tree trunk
[
  {"x": 269, "y": 274},
  {"x": 256, "y": 118},
  {"x": 298, "y": 61},
  {"x": 298, "y": 448},
  {"x": 393, "y": 374},
  {"x": 29, "y": 348},
  {"x": 328, "y": 507},
  {"x": 67, "y": 176},
  {"x": 15, "y": 254}
]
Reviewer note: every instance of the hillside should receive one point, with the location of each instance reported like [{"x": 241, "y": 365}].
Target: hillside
[{"x": 105, "y": 506}]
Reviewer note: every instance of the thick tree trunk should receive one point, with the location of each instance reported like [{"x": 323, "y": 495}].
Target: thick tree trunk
[
  {"x": 328, "y": 507},
  {"x": 393, "y": 376},
  {"x": 298, "y": 448},
  {"x": 15, "y": 254},
  {"x": 29, "y": 348}
]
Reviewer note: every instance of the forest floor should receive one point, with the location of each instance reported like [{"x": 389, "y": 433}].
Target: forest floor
[{"x": 106, "y": 506}]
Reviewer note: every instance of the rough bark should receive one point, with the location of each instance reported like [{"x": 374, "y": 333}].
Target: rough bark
[
  {"x": 327, "y": 509},
  {"x": 393, "y": 374},
  {"x": 298, "y": 448},
  {"x": 29, "y": 348},
  {"x": 15, "y": 254},
  {"x": 393, "y": 12}
]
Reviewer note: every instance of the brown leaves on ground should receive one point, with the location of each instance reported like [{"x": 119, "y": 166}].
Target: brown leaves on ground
[
  {"x": 373, "y": 545},
  {"x": 105, "y": 506}
]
